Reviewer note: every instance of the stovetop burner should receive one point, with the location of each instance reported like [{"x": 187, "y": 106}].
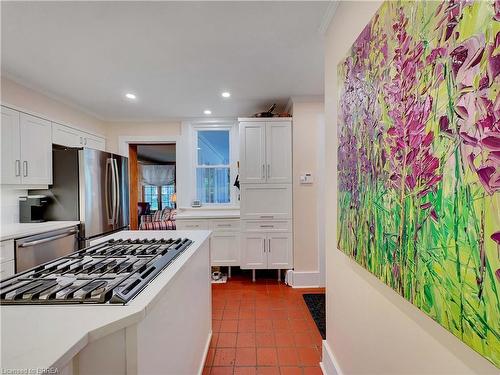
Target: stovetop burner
[{"x": 111, "y": 272}]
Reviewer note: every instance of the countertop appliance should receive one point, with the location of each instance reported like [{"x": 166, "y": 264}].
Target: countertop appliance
[
  {"x": 89, "y": 186},
  {"x": 32, "y": 208},
  {"x": 40, "y": 248},
  {"x": 112, "y": 272}
]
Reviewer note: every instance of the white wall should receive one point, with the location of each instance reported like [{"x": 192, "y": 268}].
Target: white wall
[
  {"x": 305, "y": 210},
  {"x": 26, "y": 99},
  {"x": 141, "y": 131},
  {"x": 9, "y": 204},
  {"x": 370, "y": 328}
]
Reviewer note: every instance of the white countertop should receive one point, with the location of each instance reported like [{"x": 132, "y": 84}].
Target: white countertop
[
  {"x": 49, "y": 336},
  {"x": 208, "y": 213},
  {"x": 19, "y": 230}
]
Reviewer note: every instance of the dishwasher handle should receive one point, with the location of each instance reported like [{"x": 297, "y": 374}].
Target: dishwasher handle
[{"x": 49, "y": 239}]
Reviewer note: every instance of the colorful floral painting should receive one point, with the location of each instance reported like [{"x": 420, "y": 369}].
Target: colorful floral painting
[{"x": 419, "y": 160}]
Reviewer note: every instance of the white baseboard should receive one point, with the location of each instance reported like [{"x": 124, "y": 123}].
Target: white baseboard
[
  {"x": 306, "y": 279},
  {"x": 329, "y": 364},
  {"x": 207, "y": 346}
]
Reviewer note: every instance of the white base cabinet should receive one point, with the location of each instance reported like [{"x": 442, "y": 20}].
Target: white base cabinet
[
  {"x": 224, "y": 249},
  {"x": 7, "y": 267},
  {"x": 225, "y": 239},
  {"x": 264, "y": 245}
]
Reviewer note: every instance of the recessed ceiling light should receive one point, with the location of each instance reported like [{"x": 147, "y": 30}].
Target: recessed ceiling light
[
  {"x": 226, "y": 94},
  {"x": 130, "y": 96},
  {"x": 207, "y": 112}
]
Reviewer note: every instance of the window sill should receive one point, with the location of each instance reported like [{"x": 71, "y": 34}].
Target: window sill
[{"x": 212, "y": 207}]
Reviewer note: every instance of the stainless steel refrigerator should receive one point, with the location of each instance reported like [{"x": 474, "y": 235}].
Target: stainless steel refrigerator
[{"x": 90, "y": 186}]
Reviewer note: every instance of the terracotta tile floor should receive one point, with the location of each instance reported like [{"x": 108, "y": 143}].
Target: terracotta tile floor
[{"x": 262, "y": 328}]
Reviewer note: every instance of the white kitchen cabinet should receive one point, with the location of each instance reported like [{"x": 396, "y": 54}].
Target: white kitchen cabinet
[
  {"x": 36, "y": 150},
  {"x": 263, "y": 250},
  {"x": 253, "y": 152},
  {"x": 26, "y": 149},
  {"x": 67, "y": 136},
  {"x": 279, "y": 251},
  {"x": 266, "y": 201},
  {"x": 189, "y": 224},
  {"x": 11, "y": 147},
  {"x": 279, "y": 152},
  {"x": 253, "y": 251},
  {"x": 223, "y": 249},
  {"x": 7, "y": 266},
  {"x": 95, "y": 142},
  {"x": 266, "y": 193},
  {"x": 266, "y": 152},
  {"x": 225, "y": 239}
]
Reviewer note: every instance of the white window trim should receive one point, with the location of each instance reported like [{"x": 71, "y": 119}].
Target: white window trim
[{"x": 189, "y": 135}]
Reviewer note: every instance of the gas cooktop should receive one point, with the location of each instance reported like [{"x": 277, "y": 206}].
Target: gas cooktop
[{"x": 111, "y": 272}]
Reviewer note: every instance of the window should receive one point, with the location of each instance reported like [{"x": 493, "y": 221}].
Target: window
[
  {"x": 167, "y": 191},
  {"x": 159, "y": 197},
  {"x": 213, "y": 172},
  {"x": 151, "y": 196}
]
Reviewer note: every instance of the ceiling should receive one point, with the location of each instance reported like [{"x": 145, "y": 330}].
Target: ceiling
[
  {"x": 177, "y": 57},
  {"x": 156, "y": 153}
]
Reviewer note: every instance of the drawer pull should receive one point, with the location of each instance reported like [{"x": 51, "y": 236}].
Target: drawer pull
[
  {"x": 224, "y": 225},
  {"x": 267, "y": 217},
  {"x": 267, "y": 226}
]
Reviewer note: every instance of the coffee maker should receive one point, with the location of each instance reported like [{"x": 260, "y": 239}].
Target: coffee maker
[{"x": 32, "y": 208}]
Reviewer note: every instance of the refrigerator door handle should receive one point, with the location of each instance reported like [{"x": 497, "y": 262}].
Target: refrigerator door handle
[
  {"x": 116, "y": 194},
  {"x": 109, "y": 185}
]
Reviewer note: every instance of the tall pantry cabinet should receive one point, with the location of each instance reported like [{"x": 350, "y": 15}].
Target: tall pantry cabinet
[{"x": 266, "y": 193}]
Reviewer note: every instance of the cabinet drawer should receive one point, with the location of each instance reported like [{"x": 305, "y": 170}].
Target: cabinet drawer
[
  {"x": 267, "y": 226},
  {"x": 225, "y": 225},
  {"x": 6, "y": 251},
  {"x": 7, "y": 269},
  {"x": 192, "y": 224}
]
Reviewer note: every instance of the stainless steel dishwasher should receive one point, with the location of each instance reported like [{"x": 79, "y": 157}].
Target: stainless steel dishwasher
[{"x": 34, "y": 250}]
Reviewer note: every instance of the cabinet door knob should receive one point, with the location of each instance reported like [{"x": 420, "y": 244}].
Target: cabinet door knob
[
  {"x": 81, "y": 140},
  {"x": 264, "y": 244},
  {"x": 25, "y": 168},
  {"x": 269, "y": 246},
  {"x": 85, "y": 141},
  {"x": 269, "y": 171}
]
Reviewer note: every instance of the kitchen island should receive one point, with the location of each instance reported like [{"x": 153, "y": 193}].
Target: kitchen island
[{"x": 165, "y": 329}]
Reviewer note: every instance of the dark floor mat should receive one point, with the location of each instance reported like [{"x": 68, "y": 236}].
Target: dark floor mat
[{"x": 316, "y": 305}]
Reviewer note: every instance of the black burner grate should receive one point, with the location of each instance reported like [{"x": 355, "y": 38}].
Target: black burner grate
[{"x": 110, "y": 272}]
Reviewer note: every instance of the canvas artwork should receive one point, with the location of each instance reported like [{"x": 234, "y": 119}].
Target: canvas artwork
[{"x": 419, "y": 160}]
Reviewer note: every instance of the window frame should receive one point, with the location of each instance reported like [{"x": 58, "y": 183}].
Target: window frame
[{"x": 216, "y": 125}]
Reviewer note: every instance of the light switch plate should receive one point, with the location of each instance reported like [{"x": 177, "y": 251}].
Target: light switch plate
[{"x": 306, "y": 179}]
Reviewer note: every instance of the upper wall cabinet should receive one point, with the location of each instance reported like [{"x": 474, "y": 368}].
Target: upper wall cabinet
[
  {"x": 67, "y": 136},
  {"x": 266, "y": 152},
  {"x": 26, "y": 149},
  {"x": 252, "y": 152},
  {"x": 11, "y": 147}
]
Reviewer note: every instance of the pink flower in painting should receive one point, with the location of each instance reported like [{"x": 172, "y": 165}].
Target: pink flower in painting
[
  {"x": 465, "y": 60},
  {"x": 479, "y": 116},
  {"x": 414, "y": 166}
]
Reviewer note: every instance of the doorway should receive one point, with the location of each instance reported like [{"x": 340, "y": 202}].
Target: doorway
[{"x": 153, "y": 179}]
